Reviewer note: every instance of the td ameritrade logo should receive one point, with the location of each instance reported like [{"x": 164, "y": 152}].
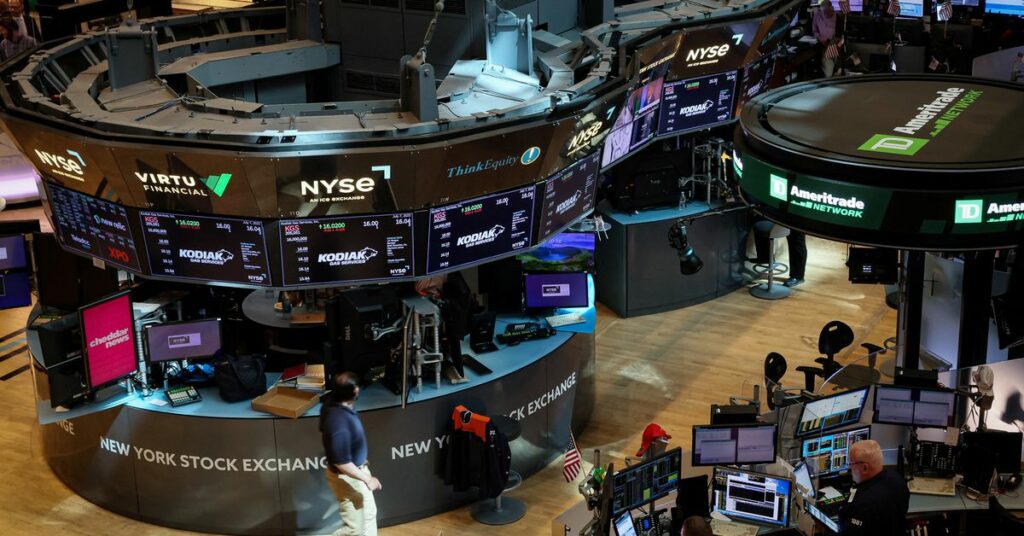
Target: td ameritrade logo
[
  {"x": 977, "y": 211},
  {"x": 941, "y": 112},
  {"x": 825, "y": 202},
  {"x": 528, "y": 157},
  {"x": 185, "y": 185},
  {"x": 483, "y": 237}
]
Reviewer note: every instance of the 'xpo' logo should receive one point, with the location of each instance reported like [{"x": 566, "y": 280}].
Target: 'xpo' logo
[
  {"x": 779, "y": 188},
  {"x": 968, "y": 211},
  {"x": 901, "y": 145}
]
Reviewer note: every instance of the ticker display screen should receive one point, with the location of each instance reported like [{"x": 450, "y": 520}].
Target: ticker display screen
[
  {"x": 199, "y": 247},
  {"x": 568, "y": 195},
  {"x": 697, "y": 103},
  {"x": 636, "y": 124},
  {"x": 479, "y": 229},
  {"x": 93, "y": 226},
  {"x": 336, "y": 250}
]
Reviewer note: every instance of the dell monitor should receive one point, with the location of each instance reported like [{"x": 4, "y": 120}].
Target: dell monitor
[
  {"x": 832, "y": 412},
  {"x": 829, "y": 454},
  {"x": 646, "y": 482},
  {"x": 556, "y": 290},
  {"x": 1005, "y": 445},
  {"x": 750, "y": 496},
  {"x": 183, "y": 340},
  {"x": 914, "y": 406},
  {"x": 108, "y": 338},
  {"x": 734, "y": 444}
]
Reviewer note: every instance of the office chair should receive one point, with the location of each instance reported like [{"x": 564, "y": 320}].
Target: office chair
[
  {"x": 1003, "y": 519},
  {"x": 776, "y": 394}
]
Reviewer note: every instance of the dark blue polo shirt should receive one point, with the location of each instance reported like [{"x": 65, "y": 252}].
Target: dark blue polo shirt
[{"x": 343, "y": 436}]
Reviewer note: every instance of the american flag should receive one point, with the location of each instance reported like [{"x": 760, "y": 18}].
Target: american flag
[
  {"x": 945, "y": 11},
  {"x": 571, "y": 467},
  {"x": 832, "y": 50},
  {"x": 894, "y": 8},
  {"x": 844, "y": 6}
]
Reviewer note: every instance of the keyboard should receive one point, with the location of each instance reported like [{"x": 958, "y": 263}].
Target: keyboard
[
  {"x": 567, "y": 319},
  {"x": 932, "y": 486},
  {"x": 183, "y": 394},
  {"x": 524, "y": 331},
  {"x": 729, "y": 528}
]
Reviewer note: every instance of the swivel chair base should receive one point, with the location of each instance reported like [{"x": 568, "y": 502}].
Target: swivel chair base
[
  {"x": 764, "y": 292},
  {"x": 499, "y": 511}
]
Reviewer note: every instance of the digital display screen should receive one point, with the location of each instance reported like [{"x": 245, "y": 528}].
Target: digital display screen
[
  {"x": 556, "y": 289},
  {"x": 108, "y": 334},
  {"x": 568, "y": 195},
  {"x": 636, "y": 124},
  {"x": 757, "y": 78},
  {"x": 646, "y": 482},
  {"x": 911, "y": 8},
  {"x": 12, "y": 252},
  {"x": 479, "y": 229},
  {"x": 204, "y": 248},
  {"x": 832, "y": 412},
  {"x": 856, "y": 6},
  {"x": 928, "y": 408},
  {"x": 15, "y": 290},
  {"x": 733, "y": 445},
  {"x": 93, "y": 226},
  {"x": 336, "y": 250},
  {"x": 829, "y": 453},
  {"x": 183, "y": 340},
  {"x": 564, "y": 252},
  {"x": 1005, "y": 7},
  {"x": 697, "y": 103},
  {"x": 746, "y": 495}
]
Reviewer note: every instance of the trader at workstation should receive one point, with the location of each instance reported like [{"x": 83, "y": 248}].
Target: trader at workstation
[{"x": 879, "y": 502}]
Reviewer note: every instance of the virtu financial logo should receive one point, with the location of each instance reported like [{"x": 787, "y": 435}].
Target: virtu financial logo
[{"x": 184, "y": 184}]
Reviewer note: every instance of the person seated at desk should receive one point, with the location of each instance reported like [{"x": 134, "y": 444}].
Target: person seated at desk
[{"x": 879, "y": 502}]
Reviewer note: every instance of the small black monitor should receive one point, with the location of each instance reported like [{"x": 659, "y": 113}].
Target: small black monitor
[
  {"x": 60, "y": 339},
  {"x": 646, "y": 482},
  {"x": 1005, "y": 445},
  {"x": 873, "y": 265},
  {"x": 751, "y": 496},
  {"x": 914, "y": 406},
  {"x": 12, "y": 252},
  {"x": 555, "y": 290},
  {"x": 66, "y": 382},
  {"x": 832, "y": 412},
  {"x": 692, "y": 499},
  {"x": 734, "y": 444},
  {"x": 183, "y": 340}
]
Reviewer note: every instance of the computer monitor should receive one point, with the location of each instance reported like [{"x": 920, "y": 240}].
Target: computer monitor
[
  {"x": 734, "y": 444},
  {"x": 15, "y": 290},
  {"x": 66, "y": 382},
  {"x": 1005, "y": 445},
  {"x": 183, "y": 340},
  {"x": 12, "y": 252},
  {"x": 108, "y": 338},
  {"x": 802, "y": 479},
  {"x": 1004, "y": 7},
  {"x": 556, "y": 289},
  {"x": 817, "y": 514},
  {"x": 60, "y": 339},
  {"x": 828, "y": 454},
  {"x": 751, "y": 496},
  {"x": 856, "y": 6},
  {"x": 831, "y": 412},
  {"x": 914, "y": 406},
  {"x": 646, "y": 482},
  {"x": 911, "y": 9},
  {"x": 66, "y": 281},
  {"x": 565, "y": 252},
  {"x": 624, "y": 525},
  {"x": 692, "y": 499}
]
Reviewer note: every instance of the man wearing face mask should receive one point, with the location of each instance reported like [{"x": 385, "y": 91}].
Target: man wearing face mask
[
  {"x": 879, "y": 502},
  {"x": 347, "y": 470}
]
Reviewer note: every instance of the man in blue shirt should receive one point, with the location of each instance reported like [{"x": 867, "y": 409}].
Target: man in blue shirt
[{"x": 345, "y": 446}]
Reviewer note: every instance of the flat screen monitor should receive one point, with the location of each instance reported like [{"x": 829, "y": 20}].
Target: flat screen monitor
[
  {"x": 183, "y": 340},
  {"x": 568, "y": 195},
  {"x": 911, "y": 9},
  {"x": 12, "y": 252},
  {"x": 93, "y": 227},
  {"x": 1005, "y": 7},
  {"x": 624, "y": 525},
  {"x": 636, "y": 123},
  {"x": 757, "y": 78},
  {"x": 108, "y": 338},
  {"x": 751, "y": 496},
  {"x": 802, "y": 479},
  {"x": 479, "y": 229},
  {"x": 734, "y": 444},
  {"x": 565, "y": 252},
  {"x": 816, "y": 513},
  {"x": 971, "y": 3},
  {"x": 15, "y": 290},
  {"x": 66, "y": 381},
  {"x": 552, "y": 290},
  {"x": 346, "y": 250},
  {"x": 914, "y": 406},
  {"x": 1005, "y": 445},
  {"x": 205, "y": 248},
  {"x": 67, "y": 281},
  {"x": 646, "y": 482},
  {"x": 856, "y": 6},
  {"x": 832, "y": 412},
  {"x": 829, "y": 454},
  {"x": 698, "y": 103}
]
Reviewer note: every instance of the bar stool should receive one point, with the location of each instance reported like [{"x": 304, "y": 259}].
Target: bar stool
[
  {"x": 503, "y": 510},
  {"x": 425, "y": 343},
  {"x": 769, "y": 290}
]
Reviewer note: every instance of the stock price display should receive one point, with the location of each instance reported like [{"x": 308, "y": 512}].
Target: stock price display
[
  {"x": 479, "y": 229},
  {"x": 335, "y": 250},
  {"x": 197, "y": 247},
  {"x": 569, "y": 194},
  {"x": 93, "y": 226},
  {"x": 697, "y": 103}
]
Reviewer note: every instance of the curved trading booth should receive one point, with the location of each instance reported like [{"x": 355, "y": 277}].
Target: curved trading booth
[{"x": 206, "y": 161}]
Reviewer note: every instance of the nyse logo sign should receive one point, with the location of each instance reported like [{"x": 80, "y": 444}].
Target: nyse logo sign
[
  {"x": 707, "y": 53},
  {"x": 70, "y": 166}
]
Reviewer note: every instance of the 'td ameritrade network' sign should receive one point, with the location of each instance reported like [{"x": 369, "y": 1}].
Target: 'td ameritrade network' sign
[{"x": 928, "y": 122}]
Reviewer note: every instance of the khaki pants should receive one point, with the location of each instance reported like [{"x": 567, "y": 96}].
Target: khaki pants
[{"x": 355, "y": 502}]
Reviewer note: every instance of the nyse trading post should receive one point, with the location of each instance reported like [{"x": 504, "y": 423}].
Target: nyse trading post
[
  {"x": 568, "y": 195},
  {"x": 93, "y": 226},
  {"x": 337, "y": 250},
  {"x": 212, "y": 249},
  {"x": 697, "y": 103},
  {"x": 479, "y": 229}
]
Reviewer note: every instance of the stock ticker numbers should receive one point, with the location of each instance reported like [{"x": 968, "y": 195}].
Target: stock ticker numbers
[
  {"x": 93, "y": 226},
  {"x": 569, "y": 194},
  {"x": 199, "y": 247},
  {"x": 337, "y": 250},
  {"x": 480, "y": 229}
]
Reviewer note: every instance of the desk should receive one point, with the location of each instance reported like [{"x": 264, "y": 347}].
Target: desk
[{"x": 258, "y": 306}]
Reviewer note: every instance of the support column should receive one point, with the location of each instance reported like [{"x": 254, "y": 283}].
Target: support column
[{"x": 974, "y": 308}]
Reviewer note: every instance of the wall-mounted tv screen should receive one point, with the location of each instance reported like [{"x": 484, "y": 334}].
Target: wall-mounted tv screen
[
  {"x": 568, "y": 195},
  {"x": 697, "y": 103},
  {"x": 92, "y": 226},
  {"x": 636, "y": 124},
  {"x": 479, "y": 229}
]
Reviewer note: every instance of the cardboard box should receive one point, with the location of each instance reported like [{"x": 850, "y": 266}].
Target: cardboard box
[{"x": 285, "y": 402}]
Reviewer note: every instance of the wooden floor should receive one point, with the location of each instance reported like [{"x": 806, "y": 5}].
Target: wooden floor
[{"x": 667, "y": 368}]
